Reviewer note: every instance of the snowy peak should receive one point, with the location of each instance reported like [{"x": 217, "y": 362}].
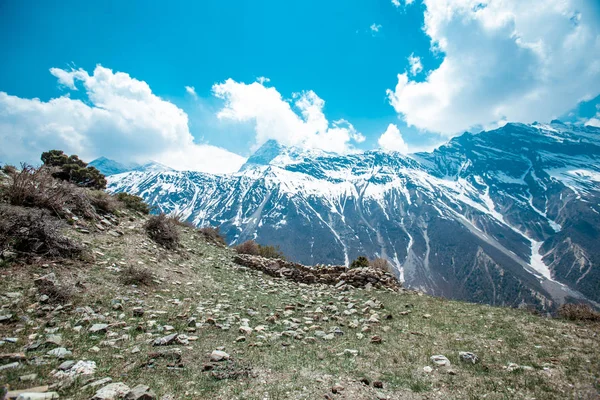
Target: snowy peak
[{"x": 508, "y": 216}]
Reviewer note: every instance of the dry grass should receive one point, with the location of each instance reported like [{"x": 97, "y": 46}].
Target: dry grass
[
  {"x": 248, "y": 247},
  {"x": 382, "y": 264},
  {"x": 163, "y": 230},
  {"x": 136, "y": 276},
  {"x": 578, "y": 312},
  {"x": 212, "y": 235},
  {"x": 30, "y": 231}
]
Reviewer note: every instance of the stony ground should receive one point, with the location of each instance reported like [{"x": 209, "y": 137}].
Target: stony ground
[{"x": 206, "y": 328}]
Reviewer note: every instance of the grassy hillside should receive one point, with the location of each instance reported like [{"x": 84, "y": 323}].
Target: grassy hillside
[{"x": 122, "y": 292}]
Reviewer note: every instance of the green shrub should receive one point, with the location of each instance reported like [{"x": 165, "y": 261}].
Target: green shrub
[
  {"x": 133, "y": 202},
  {"x": 103, "y": 202},
  {"x": 163, "y": 230},
  {"x": 72, "y": 169},
  {"x": 360, "y": 262}
]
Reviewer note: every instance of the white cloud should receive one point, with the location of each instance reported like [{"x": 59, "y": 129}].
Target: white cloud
[
  {"x": 508, "y": 60},
  {"x": 398, "y": 4},
  {"x": 298, "y": 122},
  {"x": 392, "y": 140},
  {"x": 415, "y": 64},
  {"x": 191, "y": 91},
  {"x": 121, "y": 119},
  {"x": 375, "y": 28},
  {"x": 594, "y": 122}
]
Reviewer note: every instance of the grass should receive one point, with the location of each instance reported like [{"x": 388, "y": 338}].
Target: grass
[{"x": 199, "y": 280}]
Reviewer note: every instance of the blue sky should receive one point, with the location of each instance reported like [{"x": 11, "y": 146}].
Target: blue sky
[{"x": 342, "y": 76}]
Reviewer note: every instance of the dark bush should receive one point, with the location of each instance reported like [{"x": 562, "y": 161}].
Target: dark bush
[
  {"x": 163, "y": 230},
  {"x": 33, "y": 232},
  {"x": 360, "y": 262},
  {"x": 72, "y": 169},
  {"x": 133, "y": 202},
  {"x": 578, "y": 312},
  {"x": 248, "y": 247},
  {"x": 136, "y": 276},
  {"x": 382, "y": 264},
  {"x": 212, "y": 235}
]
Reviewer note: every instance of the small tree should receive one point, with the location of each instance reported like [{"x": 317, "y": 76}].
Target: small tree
[
  {"x": 72, "y": 169},
  {"x": 360, "y": 262}
]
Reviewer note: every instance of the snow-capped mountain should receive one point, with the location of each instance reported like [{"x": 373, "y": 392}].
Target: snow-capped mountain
[{"x": 509, "y": 216}]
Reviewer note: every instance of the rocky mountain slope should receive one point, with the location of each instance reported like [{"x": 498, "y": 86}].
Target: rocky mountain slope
[
  {"x": 202, "y": 326},
  {"x": 509, "y": 216}
]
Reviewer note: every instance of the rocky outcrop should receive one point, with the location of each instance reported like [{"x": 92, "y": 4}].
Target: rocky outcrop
[{"x": 330, "y": 275}]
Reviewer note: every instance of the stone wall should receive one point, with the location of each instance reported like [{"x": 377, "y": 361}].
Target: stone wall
[{"x": 331, "y": 275}]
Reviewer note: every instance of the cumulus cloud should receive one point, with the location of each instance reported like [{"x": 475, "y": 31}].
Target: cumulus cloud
[
  {"x": 299, "y": 121},
  {"x": 392, "y": 140},
  {"x": 121, "y": 118},
  {"x": 191, "y": 91},
  {"x": 415, "y": 64},
  {"x": 508, "y": 60}
]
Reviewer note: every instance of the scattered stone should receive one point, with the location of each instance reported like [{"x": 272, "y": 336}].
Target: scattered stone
[
  {"x": 165, "y": 340},
  {"x": 60, "y": 353},
  {"x": 376, "y": 339},
  {"x": 427, "y": 369},
  {"x": 138, "y": 312},
  {"x": 218, "y": 355},
  {"x": 350, "y": 352},
  {"x": 468, "y": 357},
  {"x": 440, "y": 361},
  {"x": 337, "y": 388},
  {"x": 5, "y": 318},
  {"x": 66, "y": 365},
  {"x": 27, "y": 378},
  {"x": 37, "y": 396},
  {"x": 112, "y": 391},
  {"x": 99, "y": 328},
  {"x": 141, "y": 392},
  {"x": 427, "y": 316},
  {"x": 13, "y": 365},
  {"x": 378, "y": 384}
]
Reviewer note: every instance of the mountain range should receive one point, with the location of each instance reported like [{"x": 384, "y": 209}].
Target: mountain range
[{"x": 506, "y": 217}]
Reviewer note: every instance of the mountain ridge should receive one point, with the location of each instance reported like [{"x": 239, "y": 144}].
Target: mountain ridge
[{"x": 523, "y": 199}]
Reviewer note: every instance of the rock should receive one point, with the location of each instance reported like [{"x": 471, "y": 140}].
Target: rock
[
  {"x": 165, "y": 340},
  {"x": 27, "y": 378},
  {"x": 96, "y": 328},
  {"x": 218, "y": 355},
  {"x": 13, "y": 365},
  {"x": 60, "y": 353},
  {"x": 138, "y": 312},
  {"x": 80, "y": 368},
  {"x": 5, "y": 318},
  {"x": 141, "y": 392},
  {"x": 378, "y": 384},
  {"x": 427, "y": 316},
  {"x": 350, "y": 352},
  {"x": 468, "y": 357},
  {"x": 337, "y": 388},
  {"x": 246, "y": 330},
  {"x": 66, "y": 365},
  {"x": 95, "y": 349},
  {"x": 376, "y": 339},
  {"x": 38, "y": 396},
  {"x": 329, "y": 336},
  {"x": 112, "y": 391},
  {"x": 427, "y": 369},
  {"x": 440, "y": 361},
  {"x": 512, "y": 367}
]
